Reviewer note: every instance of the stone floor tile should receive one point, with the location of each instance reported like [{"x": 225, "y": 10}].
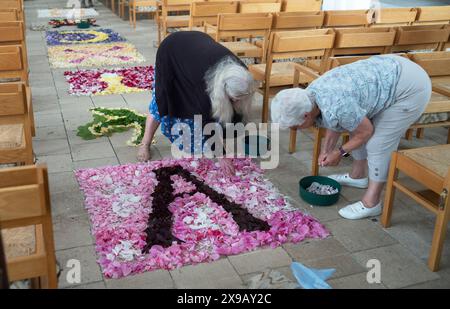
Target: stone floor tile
[
  {"x": 260, "y": 260},
  {"x": 157, "y": 279}
]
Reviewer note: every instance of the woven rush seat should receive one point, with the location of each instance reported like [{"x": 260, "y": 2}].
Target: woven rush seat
[
  {"x": 19, "y": 241},
  {"x": 434, "y": 158},
  {"x": 243, "y": 49},
  {"x": 12, "y": 136},
  {"x": 282, "y": 74},
  {"x": 428, "y": 118}
]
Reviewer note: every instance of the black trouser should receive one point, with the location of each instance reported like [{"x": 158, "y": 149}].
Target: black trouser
[{"x": 83, "y": 3}]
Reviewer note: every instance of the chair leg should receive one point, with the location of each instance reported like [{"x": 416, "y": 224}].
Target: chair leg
[
  {"x": 345, "y": 138},
  {"x": 131, "y": 16},
  {"x": 448, "y": 135},
  {"x": 265, "y": 109},
  {"x": 420, "y": 133},
  {"x": 316, "y": 151},
  {"x": 409, "y": 134},
  {"x": 292, "y": 140},
  {"x": 51, "y": 279},
  {"x": 390, "y": 192},
  {"x": 440, "y": 229},
  {"x": 35, "y": 283}
]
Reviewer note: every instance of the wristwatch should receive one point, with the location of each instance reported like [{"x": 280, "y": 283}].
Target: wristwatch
[{"x": 344, "y": 153}]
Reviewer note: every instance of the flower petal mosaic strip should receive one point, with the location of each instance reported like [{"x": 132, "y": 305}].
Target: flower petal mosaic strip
[
  {"x": 67, "y": 37},
  {"x": 170, "y": 213},
  {"x": 67, "y": 13},
  {"x": 110, "y": 81},
  {"x": 93, "y": 55}
]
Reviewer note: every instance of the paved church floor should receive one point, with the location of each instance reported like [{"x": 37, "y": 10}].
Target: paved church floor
[{"x": 402, "y": 249}]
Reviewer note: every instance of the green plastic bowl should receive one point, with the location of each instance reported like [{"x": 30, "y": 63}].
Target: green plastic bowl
[
  {"x": 83, "y": 25},
  {"x": 256, "y": 145},
  {"x": 316, "y": 199}
]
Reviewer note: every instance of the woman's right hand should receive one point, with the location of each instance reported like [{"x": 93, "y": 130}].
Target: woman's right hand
[{"x": 322, "y": 157}]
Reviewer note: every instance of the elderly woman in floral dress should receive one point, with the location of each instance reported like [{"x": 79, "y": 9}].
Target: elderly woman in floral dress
[
  {"x": 194, "y": 75},
  {"x": 376, "y": 100}
]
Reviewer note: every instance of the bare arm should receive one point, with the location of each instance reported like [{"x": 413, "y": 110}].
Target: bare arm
[{"x": 360, "y": 136}]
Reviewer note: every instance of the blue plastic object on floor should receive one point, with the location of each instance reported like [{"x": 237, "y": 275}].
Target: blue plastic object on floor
[{"x": 311, "y": 278}]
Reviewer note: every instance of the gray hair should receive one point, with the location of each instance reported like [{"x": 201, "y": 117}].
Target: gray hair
[
  {"x": 288, "y": 107},
  {"x": 228, "y": 80}
]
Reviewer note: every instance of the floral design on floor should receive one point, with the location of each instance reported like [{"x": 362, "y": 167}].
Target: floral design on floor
[
  {"x": 68, "y": 37},
  {"x": 110, "y": 81},
  {"x": 60, "y": 22},
  {"x": 114, "y": 120},
  {"x": 170, "y": 213},
  {"x": 93, "y": 55},
  {"x": 67, "y": 13}
]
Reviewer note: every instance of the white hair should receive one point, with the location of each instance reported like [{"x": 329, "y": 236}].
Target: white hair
[
  {"x": 288, "y": 107},
  {"x": 226, "y": 81}
]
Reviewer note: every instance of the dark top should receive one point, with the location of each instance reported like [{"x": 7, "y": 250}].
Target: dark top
[{"x": 182, "y": 60}]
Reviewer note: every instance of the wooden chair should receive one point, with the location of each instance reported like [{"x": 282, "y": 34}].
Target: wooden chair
[
  {"x": 13, "y": 33},
  {"x": 437, "y": 65},
  {"x": 430, "y": 37},
  {"x": 263, "y": 7},
  {"x": 433, "y": 15},
  {"x": 168, "y": 21},
  {"x": 301, "y": 5},
  {"x": 141, "y": 7},
  {"x": 15, "y": 128},
  {"x": 395, "y": 17},
  {"x": 430, "y": 167},
  {"x": 285, "y": 21},
  {"x": 240, "y": 26},
  {"x": 348, "y": 18},
  {"x": 4, "y": 281},
  {"x": 25, "y": 201},
  {"x": 207, "y": 12},
  {"x": 9, "y": 15},
  {"x": 276, "y": 76},
  {"x": 14, "y": 4},
  {"x": 357, "y": 41},
  {"x": 13, "y": 68}
]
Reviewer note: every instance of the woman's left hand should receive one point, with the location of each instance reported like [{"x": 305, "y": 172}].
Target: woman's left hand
[{"x": 332, "y": 159}]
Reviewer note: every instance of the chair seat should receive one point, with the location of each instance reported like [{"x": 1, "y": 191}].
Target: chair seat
[
  {"x": 177, "y": 21},
  {"x": 12, "y": 136},
  {"x": 244, "y": 49},
  {"x": 19, "y": 241},
  {"x": 434, "y": 158},
  {"x": 314, "y": 64},
  {"x": 282, "y": 74},
  {"x": 436, "y": 111}
]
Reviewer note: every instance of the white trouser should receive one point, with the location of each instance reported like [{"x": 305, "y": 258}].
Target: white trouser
[{"x": 411, "y": 98}]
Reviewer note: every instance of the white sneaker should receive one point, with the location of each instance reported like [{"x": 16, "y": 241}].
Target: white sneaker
[
  {"x": 359, "y": 211},
  {"x": 346, "y": 180}
]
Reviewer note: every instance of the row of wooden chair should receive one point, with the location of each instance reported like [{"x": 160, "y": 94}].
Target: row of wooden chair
[
  {"x": 24, "y": 194},
  {"x": 153, "y": 6},
  {"x": 207, "y": 11},
  {"x": 15, "y": 103}
]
